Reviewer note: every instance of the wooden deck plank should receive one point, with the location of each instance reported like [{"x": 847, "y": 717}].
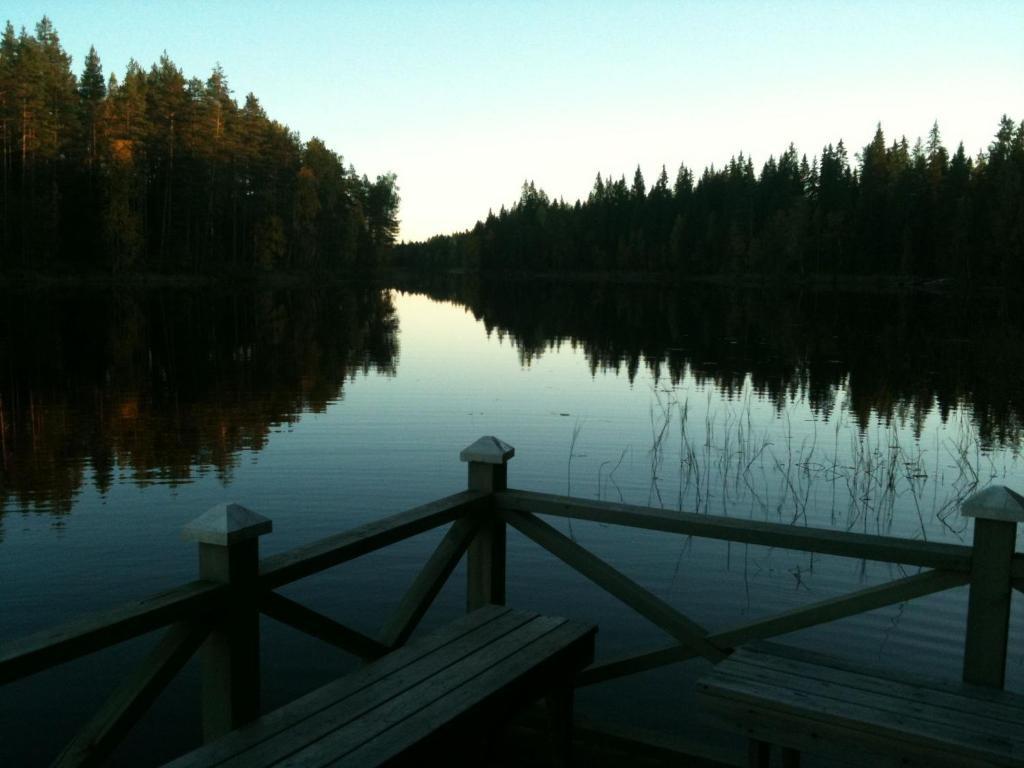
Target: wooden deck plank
[
  {"x": 338, "y": 731},
  {"x": 817, "y": 737},
  {"x": 269, "y": 725},
  {"x": 784, "y": 651},
  {"x": 481, "y": 696},
  {"x": 1009, "y": 710},
  {"x": 354, "y": 704},
  {"x": 850, "y": 689},
  {"x": 803, "y": 710}
]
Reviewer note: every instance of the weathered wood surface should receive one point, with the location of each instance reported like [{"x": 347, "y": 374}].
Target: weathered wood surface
[
  {"x": 988, "y": 607},
  {"x": 298, "y": 616},
  {"x": 129, "y": 702},
  {"x": 417, "y": 695},
  {"x": 808, "y": 702},
  {"x": 486, "y": 559},
  {"x": 230, "y": 657},
  {"x": 428, "y": 583},
  {"x": 334, "y": 550},
  {"x": 493, "y": 621},
  {"x": 820, "y": 612},
  {"x": 24, "y": 657},
  {"x": 651, "y": 607},
  {"x": 948, "y": 557}
]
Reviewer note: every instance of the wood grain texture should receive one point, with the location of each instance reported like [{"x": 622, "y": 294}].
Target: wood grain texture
[
  {"x": 949, "y": 557},
  {"x": 823, "y": 611},
  {"x": 24, "y": 657},
  {"x": 492, "y": 620},
  {"x": 654, "y": 609},
  {"x": 94, "y": 742},
  {"x": 322, "y": 627},
  {"x": 428, "y": 583},
  {"x": 804, "y": 702},
  {"x": 429, "y": 693},
  {"x": 334, "y": 550}
]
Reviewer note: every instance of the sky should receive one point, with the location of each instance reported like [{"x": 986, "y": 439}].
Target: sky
[{"x": 466, "y": 100}]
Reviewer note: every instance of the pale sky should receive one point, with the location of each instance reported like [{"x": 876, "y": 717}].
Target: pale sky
[{"x": 465, "y": 100}]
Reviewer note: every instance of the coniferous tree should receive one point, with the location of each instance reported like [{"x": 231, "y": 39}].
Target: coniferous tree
[
  {"x": 157, "y": 171},
  {"x": 907, "y": 210}
]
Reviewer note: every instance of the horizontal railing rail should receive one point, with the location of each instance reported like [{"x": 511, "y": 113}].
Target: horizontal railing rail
[
  {"x": 887, "y": 549},
  {"x": 298, "y": 563},
  {"x": 42, "y": 650},
  {"x": 220, "y": 612}
]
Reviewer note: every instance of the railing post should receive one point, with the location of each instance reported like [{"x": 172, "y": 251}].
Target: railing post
[
  {"x": 996, "y": 512},
  {"x": 228, "y": 537},
  {"x": 487, "y": 459}
]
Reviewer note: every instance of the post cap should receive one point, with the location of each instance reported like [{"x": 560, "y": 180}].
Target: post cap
[
  {"x": 997, "y": 502},
  {"x": 488, "y": 450},
  {"x": 227, "y": 524}
]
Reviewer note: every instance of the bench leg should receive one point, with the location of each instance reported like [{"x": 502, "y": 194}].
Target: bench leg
[
  {"x": 759, "y": 753},
  {"x": 790, "y": 757},
  {"x": 559, "y": 708}
]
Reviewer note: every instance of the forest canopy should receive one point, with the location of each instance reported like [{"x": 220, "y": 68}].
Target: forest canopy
[
  {"x": 158, "y": 172},
  {"x": 912, "y": 210}
]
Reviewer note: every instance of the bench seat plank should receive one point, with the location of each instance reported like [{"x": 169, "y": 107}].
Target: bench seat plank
[
  {"x": 434, "y": 680},
  {"x": 785, "y": 699},
  {"x": 267, "y": 726},
  {"x": 1001, "y": 704},
  {"x": 944, "y": 704},
  {"x": 486, "y": 697}
]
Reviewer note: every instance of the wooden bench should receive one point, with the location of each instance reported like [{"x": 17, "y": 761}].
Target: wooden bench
[
  {"x": 445, "y": 691},
  {"x": 810, "y": 702}
]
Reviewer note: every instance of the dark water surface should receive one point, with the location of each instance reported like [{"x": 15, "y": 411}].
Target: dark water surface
[{"x": 125, "y": 414}]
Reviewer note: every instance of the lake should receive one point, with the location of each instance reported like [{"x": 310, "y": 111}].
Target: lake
[{"x": 125, "y": 413}]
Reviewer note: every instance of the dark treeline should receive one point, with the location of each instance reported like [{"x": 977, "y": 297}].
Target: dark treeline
[
  {"x": 895, "y": 356},
  {"x": 162, "y": 385},
  {"x": 901, "y": 209},
  {"x": 157, "y": 172}
]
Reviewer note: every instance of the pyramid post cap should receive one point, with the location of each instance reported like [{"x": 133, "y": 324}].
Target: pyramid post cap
[
  {"x": 997, "y": 502},
  {"x": 227, "y": 524},
  {"x": 488, "y": 450}
]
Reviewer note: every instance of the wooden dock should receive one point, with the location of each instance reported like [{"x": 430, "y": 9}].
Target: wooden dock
[{"x": 218, "y": 615}]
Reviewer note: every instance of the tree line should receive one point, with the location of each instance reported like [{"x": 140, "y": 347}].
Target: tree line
[
  {"x": 155, "y": 171},
  {"x": 897, "y": 208}
]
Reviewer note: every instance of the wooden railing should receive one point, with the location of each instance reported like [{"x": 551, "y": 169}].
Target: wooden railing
[{"x": 219, "y": 613}]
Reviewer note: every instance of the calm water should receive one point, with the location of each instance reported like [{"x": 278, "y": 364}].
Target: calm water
[{"x": 126, "y": 414}]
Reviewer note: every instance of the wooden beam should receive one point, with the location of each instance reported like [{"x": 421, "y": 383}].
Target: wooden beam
[
  {"x": 300, "y": 562},
  {"x": 322, "y": 627},
  {"x": 1019, "y": 585},
  {"x": 820, "y": 612},
  {"x": 428, "y": 583},
  {"x": 649, "y": 606},
  {"x": 132, "y": 698},
  {"x": 947, "y": 557},
  {"x": 988, "y": 606},
  {"x": 24, "y": 657}
]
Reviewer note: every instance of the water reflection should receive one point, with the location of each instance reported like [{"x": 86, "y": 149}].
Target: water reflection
[
  {"x": 158, "y": 385},
  {"x": 110, "y": 386},
  {"x": 892, "y": 355}
]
